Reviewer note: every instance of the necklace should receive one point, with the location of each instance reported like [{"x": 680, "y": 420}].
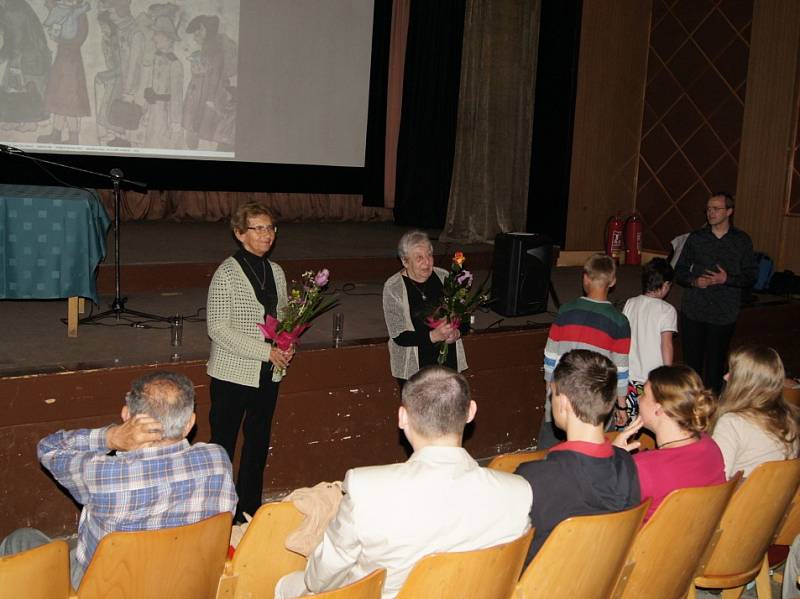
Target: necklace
[
  {"x": 692, "y": 436},
  {"x": 420, "y": 291},
  {"x": 262, "y": 282}
]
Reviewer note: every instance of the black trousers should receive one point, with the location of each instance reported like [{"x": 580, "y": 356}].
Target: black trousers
[
  {"x": 230, "y": 403},
  {"x": 705, "y": 348}
]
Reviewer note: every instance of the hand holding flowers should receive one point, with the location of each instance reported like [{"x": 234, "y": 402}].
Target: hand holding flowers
[
  {"x": 306, "y": 302},
  {"x": 458, "y": 303}
]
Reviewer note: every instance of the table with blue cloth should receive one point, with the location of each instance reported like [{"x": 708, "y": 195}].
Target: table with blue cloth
[{"x": 51, "y": 241}]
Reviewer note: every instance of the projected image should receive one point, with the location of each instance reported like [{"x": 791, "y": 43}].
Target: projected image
[{"x": 120, "y": 76}]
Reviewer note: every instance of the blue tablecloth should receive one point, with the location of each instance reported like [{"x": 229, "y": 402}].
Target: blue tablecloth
[{"x": 51, "y": 241}]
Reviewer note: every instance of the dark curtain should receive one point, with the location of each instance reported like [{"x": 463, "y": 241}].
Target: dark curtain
[
  {"x": 553, "y": 117},
  {"x": 430, "y": 107},
  {"x": 376, "y": 117},
  {"x": 489, "y": 192}
]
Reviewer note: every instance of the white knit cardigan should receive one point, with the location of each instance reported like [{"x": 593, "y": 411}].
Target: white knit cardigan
[
  {"x": 404, "y": 361},
  {"x": 232, "y": 313}
]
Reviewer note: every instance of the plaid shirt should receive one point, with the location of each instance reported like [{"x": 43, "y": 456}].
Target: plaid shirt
[{"x": 145, "y": 489}]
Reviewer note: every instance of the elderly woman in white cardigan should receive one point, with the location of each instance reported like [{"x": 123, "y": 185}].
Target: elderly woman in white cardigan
[
  {"x": 245, "y": 288},
  {"x": 409, "y": 296}
]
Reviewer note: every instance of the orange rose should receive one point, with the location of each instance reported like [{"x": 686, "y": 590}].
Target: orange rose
[{"x": 459, "y": 258}]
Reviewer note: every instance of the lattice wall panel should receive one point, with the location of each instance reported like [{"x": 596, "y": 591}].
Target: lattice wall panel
[{"x": 694, "y": 103}]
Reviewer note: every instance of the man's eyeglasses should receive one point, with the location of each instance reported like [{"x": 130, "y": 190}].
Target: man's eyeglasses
[{"x": 261, "y": 229}]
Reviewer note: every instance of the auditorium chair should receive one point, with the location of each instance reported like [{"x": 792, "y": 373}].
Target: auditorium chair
[
  {"x": 489, "y": 573},
  {"x": 582, "y": 557},
  {"x": 508, "y": 462},
  {"x": 184, "y": 562},
  {"x": 261, "y": 558},
  {"x": 787, "y": 531},
  {"x": 682, "y": 528},
  {"x": 792, "y": 395},
  {"x": 748, "y": 526},
  {"x": 369, "y": 587},
  {"x": 40, "y": 573}
]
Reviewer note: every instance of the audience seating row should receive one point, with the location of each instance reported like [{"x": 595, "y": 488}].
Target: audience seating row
[
  {"x": 712, "y": 537},
  {"x": 716, "y": 537}
]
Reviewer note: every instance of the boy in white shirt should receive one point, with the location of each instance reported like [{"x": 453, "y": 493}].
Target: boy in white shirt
[{"x": 653, "y": 323}]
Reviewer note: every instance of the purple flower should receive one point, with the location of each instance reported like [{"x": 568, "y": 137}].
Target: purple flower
[
  {"x": 464, "y": 277},
  {"x": 322, "y": 278}
]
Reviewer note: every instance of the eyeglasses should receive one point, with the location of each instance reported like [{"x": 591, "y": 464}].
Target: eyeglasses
[{"x": 261, "y": 229}]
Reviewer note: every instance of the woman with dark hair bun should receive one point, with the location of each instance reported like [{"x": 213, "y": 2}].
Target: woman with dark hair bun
[{"x": 678, "y": 409}]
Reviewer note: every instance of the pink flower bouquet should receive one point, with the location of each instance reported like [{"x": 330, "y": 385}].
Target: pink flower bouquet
[
  {"x": 306, "y": 302},
  {"x": 458, "y": 300}
]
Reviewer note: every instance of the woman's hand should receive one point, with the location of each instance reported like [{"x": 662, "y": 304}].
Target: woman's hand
[
  {"x": 281, "y": 358},
  {"x": 454, "y": 336},
  {"x": 620, "y": 413},
  {"x": 442, "y": 332},
  {"x": 622, "y": 440}
]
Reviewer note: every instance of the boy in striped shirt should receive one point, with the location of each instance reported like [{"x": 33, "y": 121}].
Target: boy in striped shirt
[{"x": 589, "y": 322}]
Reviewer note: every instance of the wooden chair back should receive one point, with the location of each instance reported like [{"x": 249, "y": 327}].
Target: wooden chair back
[
  {"x": 261, "y": 558},
  {"x": 582, "y": 557},
  {"x": 369, "y": 587},
  {"x": 482, "y": 574},
  {"x": 645, "y": 438},
  {"x": 184, "y": 562},
  {"x": 790, "y": 526},
  {"x": 508, "y": 462},
  {"x": 682, "y": 528},
  {"x": 39, "y": 573},
  {"x": 749, "y": 524},
  {"x": 792, "y": 395}
]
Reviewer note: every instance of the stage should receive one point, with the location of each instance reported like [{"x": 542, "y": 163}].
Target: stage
[{"x": 337, "y": 406}]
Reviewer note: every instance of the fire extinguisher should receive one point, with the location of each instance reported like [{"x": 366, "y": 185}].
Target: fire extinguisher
[
  {"x": 633, "y": 240},
  {"x": 614, "y": 233}
]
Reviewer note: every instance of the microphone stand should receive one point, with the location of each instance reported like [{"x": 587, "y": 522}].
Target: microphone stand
[{"x": 117, "y": 178}]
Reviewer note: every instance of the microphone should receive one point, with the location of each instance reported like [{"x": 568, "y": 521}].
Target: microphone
[
  {"x": 4, "y": 149},
  {"x": 118, "y": 175}
]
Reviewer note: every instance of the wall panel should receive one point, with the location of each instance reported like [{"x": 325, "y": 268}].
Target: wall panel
[
  {"x": 694, "y": 102},
  {"x": 608, "y": 116},
  {"x": 769, "y": 132}
]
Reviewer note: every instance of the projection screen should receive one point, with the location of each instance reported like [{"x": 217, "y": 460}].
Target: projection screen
[{"x": 268, "y": 81}]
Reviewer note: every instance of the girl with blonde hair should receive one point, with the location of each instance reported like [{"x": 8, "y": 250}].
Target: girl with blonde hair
[
  {"x": 755, "y": 424},
  {"x": 678, "y": 409}
]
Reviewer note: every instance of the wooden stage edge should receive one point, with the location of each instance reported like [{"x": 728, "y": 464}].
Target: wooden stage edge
[
  {"x": 172, "y": 276},
  {"x": 337, "y": 410}
]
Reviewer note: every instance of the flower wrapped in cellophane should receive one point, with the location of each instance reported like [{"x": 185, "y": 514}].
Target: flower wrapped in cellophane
[
  {"x": 459, "y": 300},
  {"x": 306, "y": 302}
]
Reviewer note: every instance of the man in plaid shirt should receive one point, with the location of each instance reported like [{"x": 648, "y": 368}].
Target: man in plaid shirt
[{"x": 138, "y": 475}]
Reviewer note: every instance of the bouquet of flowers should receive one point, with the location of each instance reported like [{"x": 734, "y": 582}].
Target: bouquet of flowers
[
  {"x": 459, "y": 301},
  {"x": 306, "y": 302}
]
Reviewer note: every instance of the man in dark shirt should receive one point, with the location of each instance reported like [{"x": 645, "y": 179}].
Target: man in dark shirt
[
  {"x": 716, "y": 263},
  {"x": 586, "y": 474}
]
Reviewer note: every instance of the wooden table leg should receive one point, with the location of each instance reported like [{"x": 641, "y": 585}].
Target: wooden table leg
[
  {"x": 81, "y": 305},
  {"x": 72, "y": 316}
]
